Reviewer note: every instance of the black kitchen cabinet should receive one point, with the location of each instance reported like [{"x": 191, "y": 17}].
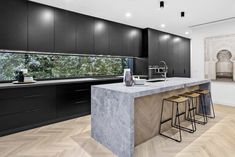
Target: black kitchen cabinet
[
  {"x": 40, "y": 27},
  {"x": 116, "y": 36},
  {"x": 153, "y": 46},
  {"x": 163, "y": 47},
  {"x": 178, "y": 61},
  {"x": 137, "y": 42},
  {"x": 65, "y": 31},
  {"x": 73, "y": 99},
  {"x": 132, "y": 41},
  {"x": 85, "y": 34},
  {"x": 26, "y": 106},
  {"x": 175, "y": 50},
  {"x": 170, "y": 56},
  {"x": 101, "y": 37},
  {"x": 13, "y": 25},
  {"x": 35, "y": 27},
  {"x": 29, "y": 107},
  {"x": 181, "y": 55},
  {"x": 187, "y": 66}
]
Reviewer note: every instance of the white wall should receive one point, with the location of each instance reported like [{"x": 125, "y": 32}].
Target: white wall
[{"x": 222, "y": 92}]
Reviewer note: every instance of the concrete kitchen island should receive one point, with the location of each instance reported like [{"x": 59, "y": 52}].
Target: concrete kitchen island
[{"x": 123, "y": 117}]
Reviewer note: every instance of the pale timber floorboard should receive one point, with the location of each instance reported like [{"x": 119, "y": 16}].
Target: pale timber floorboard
[{"x": 72, "y": 139}]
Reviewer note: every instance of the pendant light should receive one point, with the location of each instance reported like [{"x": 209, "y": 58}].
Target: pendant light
[
  {"x": 162, "y": 4},
  {"x": 182, "y": 14}
]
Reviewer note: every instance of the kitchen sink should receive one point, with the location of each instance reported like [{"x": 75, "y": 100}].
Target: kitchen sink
[{"x": 155, "y": 80}]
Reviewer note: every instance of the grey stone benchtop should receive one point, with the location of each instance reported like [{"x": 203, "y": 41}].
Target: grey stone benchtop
[
  {"x": 57, "y": 82},
  {"x": 153, "y": 87}
]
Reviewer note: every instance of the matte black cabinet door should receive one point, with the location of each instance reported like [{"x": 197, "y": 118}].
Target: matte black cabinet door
[
  {"x": 13, "y": 24},
  {"x": 40, "y": 27},
  {"x": 126, "y": 41},
  {"x": 85, "y": 34},
  {"x": 65, "y": 31},
  {"x": 132, "y": 41},
  {"x": 163, "y": 47},
  {"x": 116, "y": 36},
  {"x": 153, "y": 47},
  {"x": 178, "y": 57},
  {"x": 101, "y": 37},
  {"x": 137, "y": 41},
  {"x": 187, "y": 66},
  {"x": 170, "y": 56}
]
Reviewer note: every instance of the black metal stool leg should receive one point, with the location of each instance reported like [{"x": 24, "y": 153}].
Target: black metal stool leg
[
  {"x": 178, "y": 117},
  {"x": 185, "y": 128},
  {"x": 162, "y": 122},
  {"x": 212, "y": 106},
  {"x": 192, "y": 117},
  {"x": 204, "y": 107},
  {"x": 202, "y": 104},
  {"x": 160, "y": 128}
]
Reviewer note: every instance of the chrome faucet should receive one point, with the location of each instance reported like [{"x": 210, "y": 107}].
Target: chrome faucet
[
  {"x": 165, "y": 69},
  {"x": 162, "y": 69}
]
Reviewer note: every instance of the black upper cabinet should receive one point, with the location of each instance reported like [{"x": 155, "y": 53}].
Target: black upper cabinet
[
  {"x": 163, "y": 47},
  {"x": 40, "y": 27},
  {"x": 153, "y": 46},
  {"x": 175, "y": 50},
  {"x": 170, "y": 56},
  {"x": 125, "y": 40},
  {"x": 137, "y": 42},
  {"x": 101, "y": 37},
  {"x": 132, "y": 41},
  {"x": 187, "y": 66},
  {"x": 13, "y": 25},
  {"x": 65, "y": 31},
  {"x": 116, "y": 36},
  {"x": 85, "y": 34}
]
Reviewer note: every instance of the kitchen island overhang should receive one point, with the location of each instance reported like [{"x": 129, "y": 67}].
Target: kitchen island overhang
[{"x": 118, "y": 113}]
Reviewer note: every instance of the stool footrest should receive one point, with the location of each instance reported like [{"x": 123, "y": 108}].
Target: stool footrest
[
  {"x": 197, "y": 121},
  {"x": 184, "y": 128},
  {"x": 162, "y": 122}
]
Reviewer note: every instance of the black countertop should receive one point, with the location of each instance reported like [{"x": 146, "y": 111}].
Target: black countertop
[{"x": 57, "y": 82}]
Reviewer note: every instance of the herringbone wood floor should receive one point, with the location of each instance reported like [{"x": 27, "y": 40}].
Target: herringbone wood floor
[{"x": 72, "y": 139}]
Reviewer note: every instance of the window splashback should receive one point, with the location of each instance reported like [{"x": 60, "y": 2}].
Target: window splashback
[{"x": 51, "y": 66}]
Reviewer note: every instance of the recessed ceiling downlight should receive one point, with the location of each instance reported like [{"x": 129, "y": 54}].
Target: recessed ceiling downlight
[
  {"x": 186, "y": 33},
  {"x": 128, "y": 14},
  {"x": 163, "y": 25}
]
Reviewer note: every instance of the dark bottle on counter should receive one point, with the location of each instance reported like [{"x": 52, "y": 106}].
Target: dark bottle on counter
[{"x": 21, "y": 76}]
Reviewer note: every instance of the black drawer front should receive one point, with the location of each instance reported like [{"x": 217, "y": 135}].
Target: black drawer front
[
  {"x": 25, "y": 119},
  {"x": 26, "y": 92},
  {"x": 74, "y": 87},
  {"x": 74, "y": 108},
  {"x": 13, "y": 106}
]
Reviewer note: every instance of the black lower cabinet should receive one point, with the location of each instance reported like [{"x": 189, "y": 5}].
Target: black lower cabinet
[
  {"x": 23, "y": 107},
  {"x": 72, "y": 100},
  {"x": 29, "y": 107}
]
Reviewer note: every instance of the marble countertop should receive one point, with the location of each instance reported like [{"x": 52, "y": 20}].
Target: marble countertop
[
  {"x": 56, "y": 82},
  {"x": 153, "y": 87}
]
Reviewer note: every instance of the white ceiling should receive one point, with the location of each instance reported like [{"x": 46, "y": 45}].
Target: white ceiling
[{"x": 146, "y": 13}]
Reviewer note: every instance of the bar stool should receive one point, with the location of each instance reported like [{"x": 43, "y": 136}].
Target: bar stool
[
  {"x": 176, "y": 100},
  {"x": 194, "y": 97},
  {"x": 204, "y": 101}
]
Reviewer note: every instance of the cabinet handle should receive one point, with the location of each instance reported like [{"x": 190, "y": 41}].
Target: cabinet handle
[
  {"x": 33, "y": 96},
  {"x": 81, "y": 90},
  {"x": 184, "y": 71},
  {"x": 82, "y": 101}
]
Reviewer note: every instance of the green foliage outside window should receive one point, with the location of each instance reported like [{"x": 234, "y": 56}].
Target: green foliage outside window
[{"x": 42, "y": 66}]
